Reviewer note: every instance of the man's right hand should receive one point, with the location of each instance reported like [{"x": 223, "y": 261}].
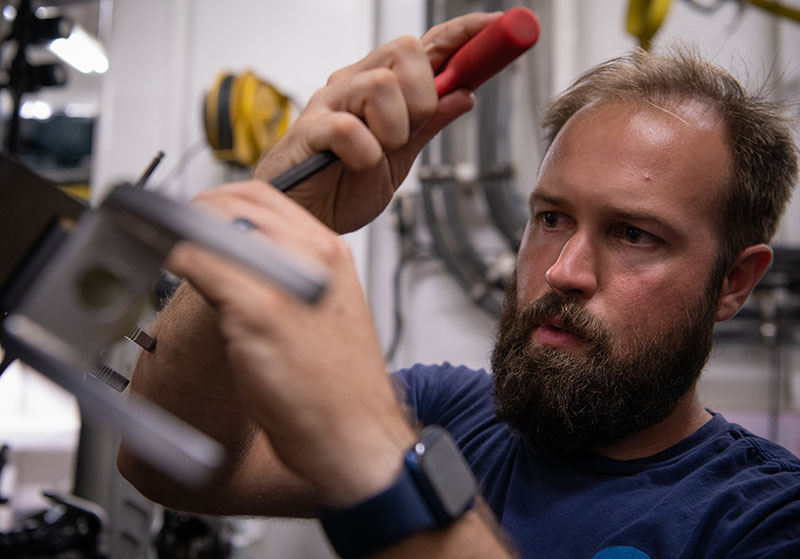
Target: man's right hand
[{"x": 375, "y": 115}]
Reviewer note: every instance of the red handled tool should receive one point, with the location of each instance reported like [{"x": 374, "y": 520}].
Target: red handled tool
[{"x": 488, "y": 52}]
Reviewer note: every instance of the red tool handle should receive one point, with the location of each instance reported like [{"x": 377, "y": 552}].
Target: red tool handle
[{"x": 488, "y": 52}]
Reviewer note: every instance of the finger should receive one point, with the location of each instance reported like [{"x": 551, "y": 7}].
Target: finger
[
  {"x": 226, "y": 199},
  {"x": 347, "y": 136},
  {"x": 408, "y": 61},
  {"x": 275, "y": 215},
  {"x": 375, "y": 96},
  {"x": 441, "y": 41}
]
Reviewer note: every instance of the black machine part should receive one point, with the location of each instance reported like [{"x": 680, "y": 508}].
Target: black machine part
[{"x": 70, "y": 529}]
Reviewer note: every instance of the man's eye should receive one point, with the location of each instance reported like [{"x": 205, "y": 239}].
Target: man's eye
[
  {"x": 633, "y": 234},
  {"x": 550, "y": 219}
]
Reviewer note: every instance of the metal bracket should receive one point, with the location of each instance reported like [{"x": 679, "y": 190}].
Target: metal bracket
[{"x": 91, "y": 292}]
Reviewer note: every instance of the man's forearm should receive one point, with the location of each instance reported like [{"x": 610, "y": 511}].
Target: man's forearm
[{"x": 188, "y": 375}]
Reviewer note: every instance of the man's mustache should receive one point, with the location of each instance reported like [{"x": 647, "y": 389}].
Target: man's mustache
[{"x": 565, "y": 313}]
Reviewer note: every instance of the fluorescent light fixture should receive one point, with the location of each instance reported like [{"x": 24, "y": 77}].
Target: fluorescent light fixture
[
  {"x": 37, "y": 110},
  {"x": 9, "y": 12},
  {"x": 81, "y": 51}
]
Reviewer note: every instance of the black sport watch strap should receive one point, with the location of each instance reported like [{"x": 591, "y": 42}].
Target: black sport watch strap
[
  {"x": 435, "y": 487},
  {"x": 379, "y": 522}
]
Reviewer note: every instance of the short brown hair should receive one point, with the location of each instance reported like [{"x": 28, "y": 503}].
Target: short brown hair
[{"x": 763, "y": 151}]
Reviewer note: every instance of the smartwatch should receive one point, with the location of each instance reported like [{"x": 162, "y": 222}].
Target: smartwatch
[{"x": 435, "y": 488}]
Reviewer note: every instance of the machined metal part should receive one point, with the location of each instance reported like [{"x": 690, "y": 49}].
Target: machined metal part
[
  {"x": 162, "y": 222},
  {"x": 91, "y": 292},
  {"x": 109, "y": 376},
  {"x": 172, "y": 446},
  {"x": 142, "y": 339}
]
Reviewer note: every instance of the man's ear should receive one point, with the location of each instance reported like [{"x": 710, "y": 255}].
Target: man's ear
[{"x": 741, "y": 278}]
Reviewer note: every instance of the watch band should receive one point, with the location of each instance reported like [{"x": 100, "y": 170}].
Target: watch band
[
  {"x": 382, "y": 520},
  {"x": 436, "y": 487}
]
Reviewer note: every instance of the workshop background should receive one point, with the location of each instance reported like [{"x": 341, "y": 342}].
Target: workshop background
[{"x": 433, "y": 266}]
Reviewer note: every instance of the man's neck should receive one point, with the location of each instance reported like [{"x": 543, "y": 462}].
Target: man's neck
[{"x": 687, "y": 418}]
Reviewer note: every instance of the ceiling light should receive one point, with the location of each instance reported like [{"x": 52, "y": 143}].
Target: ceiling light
[
  {"x": 81, "y": 51},
  {"x": 37, "y": 110}
]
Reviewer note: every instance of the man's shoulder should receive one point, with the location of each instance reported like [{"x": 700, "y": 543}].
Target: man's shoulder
[
  {"x": 447, "y": 394},
  {"x": 742, "y": 472},
  {"x": 749, "y": 489},
  {"x": 755, "y": 453},
  {"x": 443, "y": 374}
]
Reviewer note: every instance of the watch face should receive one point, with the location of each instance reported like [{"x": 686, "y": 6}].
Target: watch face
[{"x": 448, "y": 475}]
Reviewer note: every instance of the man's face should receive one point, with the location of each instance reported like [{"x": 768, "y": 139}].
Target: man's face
[{"x": 609, "y": 321}]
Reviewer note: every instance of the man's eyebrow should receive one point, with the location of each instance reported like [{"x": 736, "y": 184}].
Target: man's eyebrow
[
  {"x": 547, "y": 198},
  {"x": 643, "y": 216}
]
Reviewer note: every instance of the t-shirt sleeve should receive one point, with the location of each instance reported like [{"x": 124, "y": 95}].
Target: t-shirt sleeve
[
  {"x": 444, "y": 394},
  {"x": 771, "y": 515},
  {"x": 778, "y": 535}
]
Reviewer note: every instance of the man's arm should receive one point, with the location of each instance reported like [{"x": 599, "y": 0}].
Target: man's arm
[
  {"x": 188, "y": 374},
  {"x": 313, "y": 375},
  {"x": 375, "y": 115}
]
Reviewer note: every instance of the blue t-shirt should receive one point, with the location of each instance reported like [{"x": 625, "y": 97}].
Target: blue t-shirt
[{"x": 720, "y": 493}]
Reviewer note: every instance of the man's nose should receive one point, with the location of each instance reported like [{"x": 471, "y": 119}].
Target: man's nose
[{"x": 574, "y": 272}]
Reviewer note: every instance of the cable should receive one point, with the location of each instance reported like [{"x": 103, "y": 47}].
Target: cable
[
  {"x": 397, "y": 302},
  {"x": 454, "y": 247},
  {"x": 177, "y": 170},
  {"x": 410, "y": 250},
  {"x": 495, "y": 171}
]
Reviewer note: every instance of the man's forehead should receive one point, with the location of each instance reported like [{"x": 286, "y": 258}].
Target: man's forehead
[
  {"x": 688, "y": 113},
  {"x": 658, "y": 125}
]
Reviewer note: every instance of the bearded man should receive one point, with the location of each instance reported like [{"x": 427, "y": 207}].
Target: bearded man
[{"x": 661, "y": 186}]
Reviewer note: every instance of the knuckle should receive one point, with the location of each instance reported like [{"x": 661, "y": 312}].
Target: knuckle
[
  {"x": 337, "y": 76},
  {"x": 331, "y": 250},
  {"x": 315, "y": 99},
  {"x": 408, "y": 44},
  {"x": 381, "y": 80},
  {"x": 345, "y": 125}
]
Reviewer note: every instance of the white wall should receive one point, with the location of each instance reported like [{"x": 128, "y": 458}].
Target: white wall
[{"x": 165, "y": 54}]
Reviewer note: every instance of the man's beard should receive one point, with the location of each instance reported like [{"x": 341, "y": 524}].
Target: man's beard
[{"x": 568, "y": 404}]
